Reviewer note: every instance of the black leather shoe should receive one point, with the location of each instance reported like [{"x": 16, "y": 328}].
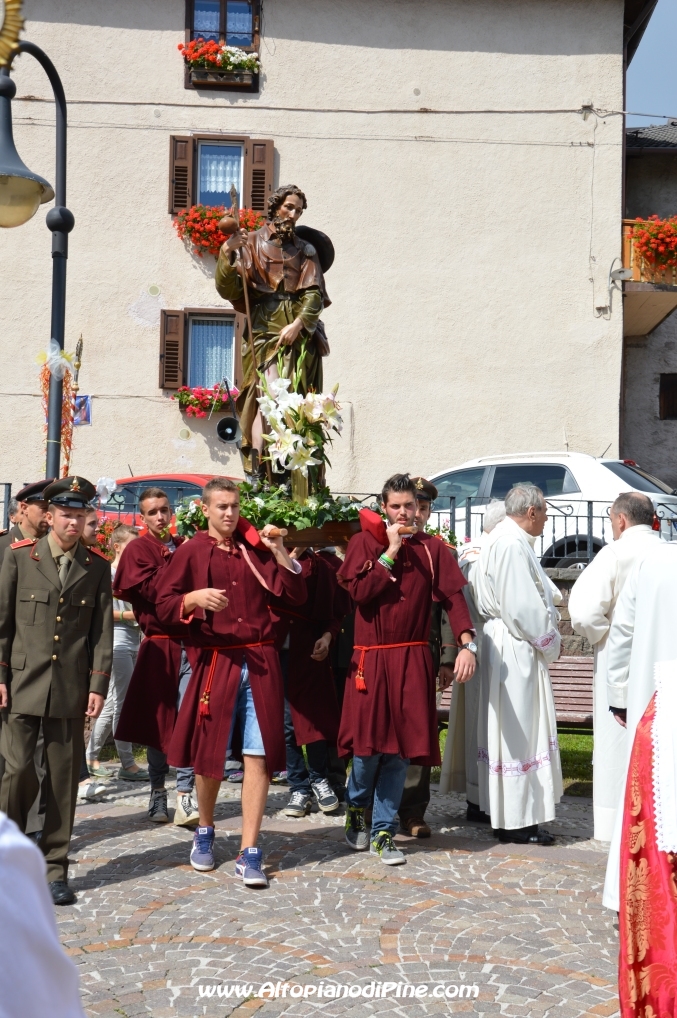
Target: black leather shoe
[
  {"x": 533, "y": 835},
  {"x": 477, "y": 815},
  {"x": 61, "y": 892}
]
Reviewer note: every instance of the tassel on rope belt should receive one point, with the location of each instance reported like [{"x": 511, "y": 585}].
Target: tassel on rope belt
[
  {"x": 203, "y": 712},
  {"x": 360, "y": 684}
]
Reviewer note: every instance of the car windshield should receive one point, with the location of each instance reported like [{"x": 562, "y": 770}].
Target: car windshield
[{"x": 639, "y": 478}]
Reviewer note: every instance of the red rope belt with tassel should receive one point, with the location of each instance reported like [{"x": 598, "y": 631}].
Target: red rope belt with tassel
[
  {"x": 203, "y": 712},
  {"x": 360, "y": 684}
]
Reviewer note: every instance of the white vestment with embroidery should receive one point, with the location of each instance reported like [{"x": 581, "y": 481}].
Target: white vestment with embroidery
[
  {"x": 592, "y": 603},
  {"x": 520, "y": 775},
  {"x": 643, "y": 633}
]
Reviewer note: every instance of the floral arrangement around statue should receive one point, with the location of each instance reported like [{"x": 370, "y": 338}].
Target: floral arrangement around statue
[
  {"x": 274, "y": 504},
  {"x": 300, "y": 426},
  {"x": 444, "y": 532},
  {"x": 655, "y": 242},
  {"x": 217, "y": 56},
  {"x": 198, "y": 227},
  {"x": 201, "y": 402}
]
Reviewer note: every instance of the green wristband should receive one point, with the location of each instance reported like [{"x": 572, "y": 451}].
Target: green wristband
[{"x": 390, "y": 562}]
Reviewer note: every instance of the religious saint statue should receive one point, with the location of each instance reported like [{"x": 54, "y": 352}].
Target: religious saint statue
[{"x": 283, "y": 267}]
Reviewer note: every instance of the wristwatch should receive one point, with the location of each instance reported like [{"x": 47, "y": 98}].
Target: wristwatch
[{"x": 472, "y": 647}]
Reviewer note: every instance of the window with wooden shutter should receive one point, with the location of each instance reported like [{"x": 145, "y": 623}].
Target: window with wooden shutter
[
  {"x": 172, "y": 349},
  {"x": 202, "y": 168},
  {"x": 259, "y": 165},
  {"x": 181, "y": 167}
]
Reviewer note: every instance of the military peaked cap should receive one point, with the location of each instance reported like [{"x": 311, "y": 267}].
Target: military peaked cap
[
  {"x": 70, "y": 492},
  {"x": 33, "y": 492},
  {"x": 426, "y": 491}
]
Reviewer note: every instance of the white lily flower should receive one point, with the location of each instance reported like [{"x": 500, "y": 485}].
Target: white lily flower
[
  {"x": 301, "y": 459},
  {"x": 276, "y": 386}
]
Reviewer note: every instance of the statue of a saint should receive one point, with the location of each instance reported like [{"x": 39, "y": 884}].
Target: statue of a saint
[{"x": 286, "y": 291}]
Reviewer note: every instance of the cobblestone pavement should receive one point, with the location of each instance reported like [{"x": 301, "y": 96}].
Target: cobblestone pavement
[{"x": 524, "y": 926}]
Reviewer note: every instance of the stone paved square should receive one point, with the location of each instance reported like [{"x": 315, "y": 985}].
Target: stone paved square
[{"x": 524, "y": 925}]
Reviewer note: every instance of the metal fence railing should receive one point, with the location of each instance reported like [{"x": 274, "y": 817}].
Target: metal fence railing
[{"x": 573, "y": 534}]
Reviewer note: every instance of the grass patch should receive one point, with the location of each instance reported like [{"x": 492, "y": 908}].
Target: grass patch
[{"x": 576, "y": 753}]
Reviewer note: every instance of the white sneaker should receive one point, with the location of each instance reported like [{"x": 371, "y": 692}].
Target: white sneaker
[
  {"x": 91, "y": 791},
  {"x": 186, "y": 812}
]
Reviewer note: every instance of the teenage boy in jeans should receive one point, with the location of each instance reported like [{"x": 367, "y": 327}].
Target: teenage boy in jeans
[
  {"x": 217, "y": 588},
  {"x": 389, "y": 714},
  {"x": 162, "y": 670}
]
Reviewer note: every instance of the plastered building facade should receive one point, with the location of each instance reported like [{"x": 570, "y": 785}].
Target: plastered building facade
[{"x": 464, "y": 156}]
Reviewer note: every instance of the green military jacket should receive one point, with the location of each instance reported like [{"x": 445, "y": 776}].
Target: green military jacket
[
  {"x": 8, "y": 537},
  {"x": 56, "y": 645}
]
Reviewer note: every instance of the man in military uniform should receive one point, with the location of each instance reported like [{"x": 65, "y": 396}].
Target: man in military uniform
[
  {"x": 56, "y": 651},
  {"x": 31, "y": 521}
]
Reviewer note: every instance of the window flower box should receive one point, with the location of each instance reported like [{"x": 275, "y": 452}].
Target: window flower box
[
  {"x": 204, "y": 77},
  {"x": 212, "y": 64}
]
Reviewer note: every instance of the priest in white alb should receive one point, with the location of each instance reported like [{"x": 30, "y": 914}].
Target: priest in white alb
[
  {"x": 592, "y": 604},
  {"x": 643, "y": 633},
  {"x": 520, "y": 775},
  {"x": 459, "y": 766}
]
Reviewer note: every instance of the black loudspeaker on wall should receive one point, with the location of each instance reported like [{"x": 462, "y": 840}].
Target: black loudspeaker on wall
[{"x": 228, "y": 430}]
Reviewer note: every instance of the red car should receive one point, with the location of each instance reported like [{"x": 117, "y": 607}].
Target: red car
[{"x": 123, "y": 504}]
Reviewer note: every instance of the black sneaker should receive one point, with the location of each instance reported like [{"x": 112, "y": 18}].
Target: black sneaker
[
  {"x": 357, "y": 835},
  {"x": 298, "y": 805},
  {"x": 157, "y": 807},
  {"x": 326, "y": 797}
]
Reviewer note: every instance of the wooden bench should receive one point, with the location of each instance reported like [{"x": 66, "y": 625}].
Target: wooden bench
[{"x": 571, "y": 679}]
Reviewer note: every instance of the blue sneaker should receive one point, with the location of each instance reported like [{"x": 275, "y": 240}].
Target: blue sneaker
[
  {"x": 202, "y": 852},
  {"x": 248, "y": 865}
]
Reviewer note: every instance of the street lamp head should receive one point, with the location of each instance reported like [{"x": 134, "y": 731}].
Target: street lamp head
[{"x": 21, "y": 190}]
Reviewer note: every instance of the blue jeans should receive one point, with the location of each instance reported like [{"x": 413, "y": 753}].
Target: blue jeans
[
  {"x": 157, "y": 761},
  {"x": 381, "y": 776},
  {"x": 298, "y": 775},
  {"x": 244, "y": 712}
]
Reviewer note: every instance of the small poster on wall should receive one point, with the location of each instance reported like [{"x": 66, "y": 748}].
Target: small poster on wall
[{"x": 83, "y": 410}]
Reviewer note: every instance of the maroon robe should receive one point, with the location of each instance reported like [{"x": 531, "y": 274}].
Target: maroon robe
[
  {"x": 249, "y": 575},
  {"x": 310, "y": 684},
  {"x": 149, "y": 710},
  {"x": 397, "y": 711}
]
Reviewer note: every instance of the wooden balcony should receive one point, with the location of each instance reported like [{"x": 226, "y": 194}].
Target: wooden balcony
[{"x": 649, "y": 297}]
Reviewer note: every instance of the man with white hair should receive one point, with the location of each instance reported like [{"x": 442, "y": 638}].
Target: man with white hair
[
  {"x": 520, "y": 775},
  {"x": 459, "y": 766},
  {"x": 592, "y": 605}
]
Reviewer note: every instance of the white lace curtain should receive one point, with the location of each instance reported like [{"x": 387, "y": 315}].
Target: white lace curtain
[
  {"x": 220, "y": 168},
  {"x": 211, "y": 352}
]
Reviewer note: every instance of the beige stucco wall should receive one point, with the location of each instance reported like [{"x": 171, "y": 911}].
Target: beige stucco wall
[{"x": 472, "y": 248}]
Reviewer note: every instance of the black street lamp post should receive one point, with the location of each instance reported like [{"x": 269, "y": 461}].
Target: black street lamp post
[{"x": 26, "y": 191}]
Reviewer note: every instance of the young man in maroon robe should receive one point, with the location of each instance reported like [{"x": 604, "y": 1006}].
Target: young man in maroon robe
[
  {"x": 311, "y": 710},
  {"x": 389, "y": 714},
  {"x": 218, "y": 586},
  {"x": 162, "y": 670}
]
